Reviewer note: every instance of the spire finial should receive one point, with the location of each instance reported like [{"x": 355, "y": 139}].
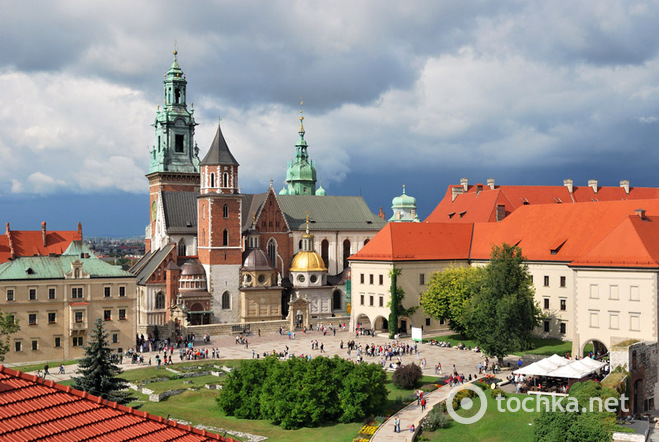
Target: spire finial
[
  {"x": 175, "y": 51},
  {"x": 307, "y": 222},
  {"x": 219, "y": 120},
  {"x": 403, "y": 189},
  {"x": 301, "y": 131}
]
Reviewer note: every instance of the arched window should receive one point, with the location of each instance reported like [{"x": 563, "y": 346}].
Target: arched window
[
  {"x": 272, "y": 252},
  {"x": 336, "y": 300},
  {"x": 212, "y": 180},
  {"x": 225, "y": 179},
  {"x": 225, "y": 211},
  {"x": 225, "y": 238},
  {"x": 324, "y": 251},
  {"x": 366, "y": 241},
  {"x": 160, "y": 300},
  {"x": 299, "y": 245},
  {"x": 181, "y": 248},
  {"x": 76, "y": 273},
  {"x": 226, "y": 301},
  {"x": 346, "y": 253}
]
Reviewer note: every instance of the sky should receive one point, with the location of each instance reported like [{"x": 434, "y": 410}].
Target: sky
[{"x": 395, "y": 93}]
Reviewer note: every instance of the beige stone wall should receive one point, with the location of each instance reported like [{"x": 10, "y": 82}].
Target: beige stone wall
[{"x": 46, "y": 322}]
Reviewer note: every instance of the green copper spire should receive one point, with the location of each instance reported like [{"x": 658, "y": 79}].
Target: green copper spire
[
  {"x": 175, "y": 149},
  {"x": 301, "y": 172}
]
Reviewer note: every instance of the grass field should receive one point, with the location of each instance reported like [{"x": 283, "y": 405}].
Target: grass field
[
  {"x": 541, "y": 346},
  {"x": 495, "y": 426}
]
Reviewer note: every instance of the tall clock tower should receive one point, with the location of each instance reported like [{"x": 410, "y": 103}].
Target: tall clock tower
[
  {"x": 174, "y": 160},
  {"x": 219, "y": 230}
]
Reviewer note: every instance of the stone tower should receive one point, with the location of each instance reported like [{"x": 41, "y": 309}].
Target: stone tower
[{"x": 301, "y": 171}]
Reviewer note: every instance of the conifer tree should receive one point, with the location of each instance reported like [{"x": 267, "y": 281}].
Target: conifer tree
[{"x": 98, "y": 375}]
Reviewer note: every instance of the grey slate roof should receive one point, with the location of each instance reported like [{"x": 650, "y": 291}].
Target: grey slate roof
[
  {"x": 329, "y": 213},
  {"x": 219, "y": 152},
  {"x": 151, "y": 263},
  {"x": 251, "y": 205},
  {"x": 180, "y": 212}
]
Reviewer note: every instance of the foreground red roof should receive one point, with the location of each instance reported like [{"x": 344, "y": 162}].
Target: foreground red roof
[
  {"x": 32, "y": 408},
  {"x": 23, "y": 243}
]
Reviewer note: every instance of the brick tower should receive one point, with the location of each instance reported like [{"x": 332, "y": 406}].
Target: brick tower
[{"x": 219, "y": 230}]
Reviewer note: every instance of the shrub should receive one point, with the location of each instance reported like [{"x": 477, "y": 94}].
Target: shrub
[
  {"x": 462, "y": 394},
  {"x": 406, "y": 376},
  {"x": 427, "y": 388},
  {"x": 495, "y": 392},
  {"x": 482, "y": 385},
  {"x": 435, "y": 420}
]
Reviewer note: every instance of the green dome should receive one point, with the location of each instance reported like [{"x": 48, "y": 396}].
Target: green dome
[
  {"x": 320, "y": 191},
  {"x": 284, "y": 190},
  {"x": 404, "y": 201}
]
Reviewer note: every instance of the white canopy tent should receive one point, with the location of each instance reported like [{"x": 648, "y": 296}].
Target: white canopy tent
[{"x": 558, "y": 367}]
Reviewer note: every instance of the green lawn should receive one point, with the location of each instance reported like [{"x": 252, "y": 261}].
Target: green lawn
[
  {"x": 493, "y": 427},
  {"x": 52, "y": 366}
]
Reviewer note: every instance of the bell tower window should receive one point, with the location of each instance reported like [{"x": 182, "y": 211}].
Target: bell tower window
[
  {"x": 178, "y": 140},
  {"x": 177, "y": 95},
  {"x": 225, "y": 238},
  {"x": 225, "y": 179},
  {"x": 212, "y": 180}
]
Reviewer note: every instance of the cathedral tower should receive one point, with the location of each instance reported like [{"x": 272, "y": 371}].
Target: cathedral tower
[
  {"x": 174, "y": 165},
  {"x": 219, "y": 228},
  {"x": 300, "y": 172}
]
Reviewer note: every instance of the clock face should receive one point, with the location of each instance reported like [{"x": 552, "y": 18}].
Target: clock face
[{"x": 154, "y": 210}]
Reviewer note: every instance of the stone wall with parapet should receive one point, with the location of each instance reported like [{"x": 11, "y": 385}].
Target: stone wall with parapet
[
  {"x": 641, "y": 360},
  {"x": 264, "y": 326}
]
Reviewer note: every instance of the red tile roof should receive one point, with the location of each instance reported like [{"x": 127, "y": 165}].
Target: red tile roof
[
  {"x": 479, "y": 203},
  {"x": 609, "y": 234},
  {"x": 31, "y": 408},
  {"x": 418, "y": 242},
  {"x": 31, "y": 242}
]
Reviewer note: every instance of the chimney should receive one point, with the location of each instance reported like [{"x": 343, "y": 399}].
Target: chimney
[
  {"x": 464, "y": 182},
  {"x": 490, "y": 183},
  {"x": 640, "y": 213},
  {"x": 568, "y": 183},
  {"x": 479, "y": 188},
  {"x": 381, "y": 213},
  {"x": 593, "y": 184},
  {"x": 43, "y": 232},
  {"x": 455, "y": 191},
  {"x": 501, "y": 212},
  {"x": 625, "y": 185},
  {"x": 10, "y": 242},
  {"x": 80, "y": 230}
]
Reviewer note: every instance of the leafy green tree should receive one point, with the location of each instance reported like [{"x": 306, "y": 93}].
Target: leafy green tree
[
  {"x": 448, "y": 293},
  {"x": 363, "y": 393},
  {"x": 98, "y": 375},
  {"x": 396, "y": 309},
  {"x": 502, "y": 315},
  {"x": 8, "y": 326}
]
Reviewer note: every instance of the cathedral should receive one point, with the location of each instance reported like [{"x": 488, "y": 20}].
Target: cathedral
[{"x": 216, "y": 255}]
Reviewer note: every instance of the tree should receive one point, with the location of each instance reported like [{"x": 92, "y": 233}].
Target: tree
[
  {"x": 502, "y": 315},
  {"x": 99, "y": 376},
  {"x": 8, "y": 326},
  {"x": 396, "y": 309},
  {"x": 448, "y": 293}
]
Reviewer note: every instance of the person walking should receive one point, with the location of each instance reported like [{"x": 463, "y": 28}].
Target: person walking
[
  {"x": 396, "y": 424},
  {"x": 423, "y": 404}
]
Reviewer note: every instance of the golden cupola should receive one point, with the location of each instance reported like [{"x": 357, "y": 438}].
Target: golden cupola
[{"x": 307, "y": 259}]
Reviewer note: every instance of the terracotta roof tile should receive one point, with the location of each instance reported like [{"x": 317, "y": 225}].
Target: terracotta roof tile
[
  {"x": 31, "y": 408},
  {"x": 30, "y": 243}
]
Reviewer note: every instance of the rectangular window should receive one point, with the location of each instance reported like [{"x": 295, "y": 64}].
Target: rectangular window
[
  {"x": 77, "y": 341},
  {"x": 58, "y": 342},
  {"x": 422, "y": 278},
  {"x": 634, "y": 293},
  {"x": 107, "y": 315},
  {"x": 10, "y": 294},
  {"x": 594, "y": 291},
  {"x": 52, "y": 317},
  {"x": 76, "y": 292},
  {"x": 361, "y": 278},
  {"x": 32, "y": 295},
  {"x": 51, "y": 293},
  {"x": 563, "y": 328},
  {"x": 361, "y": 298},
  {"x": 178, "y": 143},
  {"x": 546, "y": 280},
  {"x": 635, "y": 321},
  {"x": 122, "y": 314},
  {"x": 35, "y": 345},
  {"x": 546, "y": 326},
  {"x": 18, "y": 346},
  {"x": 381, "y": 301},
  {"x": 563, "y": 281},
  {"x": 381, "y": 279},
  {"x": 594, "y": 319},
  {"x": 614, "y": 323},
  {"x": 546, "y": 303},
  {"x": 106, "y": 292},
  {"x": 370, "y": 300},
  {"x": 115, "y": 338},
  {"x": 563, "y": 304},
  {"x": 77, "y": 316},
  {"x": 32, "y": 319},
  {"x": 122, "y": 291},
  {"x": 427, "y": 321},
  {"x": 370, "y": 279},
  {"x": 613, "y": 292}
]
